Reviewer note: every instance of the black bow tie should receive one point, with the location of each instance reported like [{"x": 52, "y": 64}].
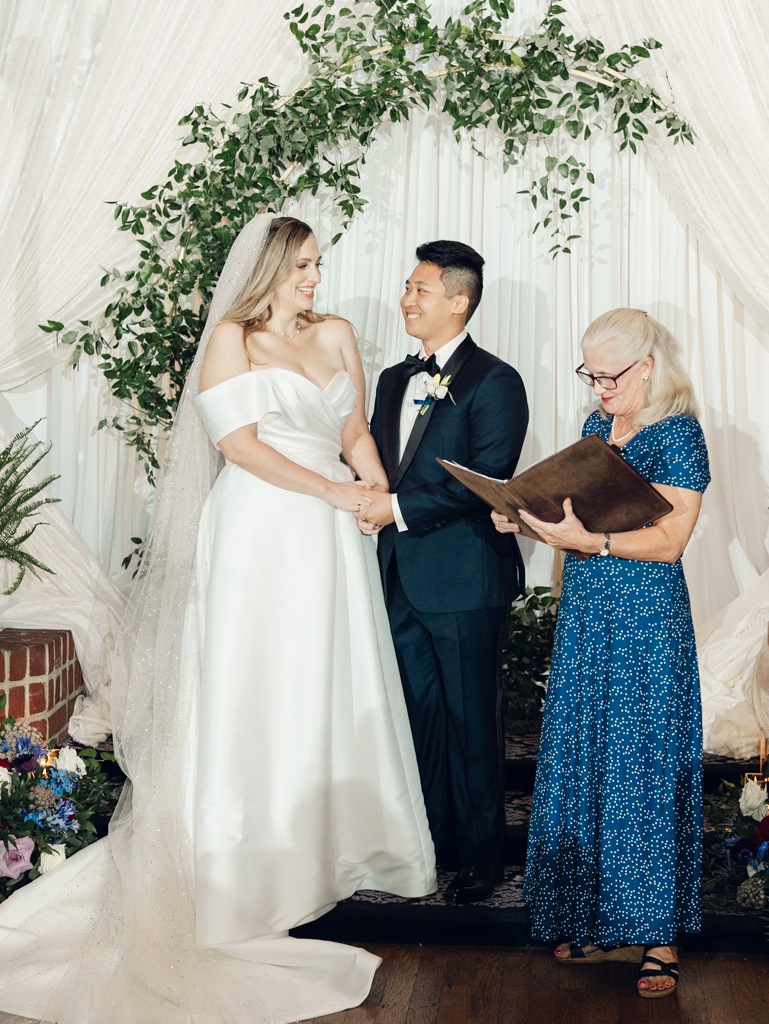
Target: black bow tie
[{"x": 413, "y": 365}]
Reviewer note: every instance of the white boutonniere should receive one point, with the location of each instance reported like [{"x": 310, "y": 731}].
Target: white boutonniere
[{"x": 434, "y": 389}]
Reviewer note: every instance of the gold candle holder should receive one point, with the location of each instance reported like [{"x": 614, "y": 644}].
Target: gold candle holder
[
  {"x": 763, "y": 750},
  {"x": 757, "y": 777}
]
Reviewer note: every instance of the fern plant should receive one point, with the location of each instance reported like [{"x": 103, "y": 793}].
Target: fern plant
[{"x": 19, "y": 504}]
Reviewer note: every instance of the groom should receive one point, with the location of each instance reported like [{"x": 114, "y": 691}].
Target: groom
[{"x": 448, "y": 576}]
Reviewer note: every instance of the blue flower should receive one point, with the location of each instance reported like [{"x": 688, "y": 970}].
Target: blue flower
[
  {"x": 37, "y": 816},
  {"x": 59, "y": 781},
  {"x": 64, "y": 818},
  {"x": 24, "y": 745}
]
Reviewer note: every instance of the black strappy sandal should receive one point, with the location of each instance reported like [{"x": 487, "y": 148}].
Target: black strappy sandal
[
  {"x": 669, "y": 970},
  {"x": 626, "y": 954}
]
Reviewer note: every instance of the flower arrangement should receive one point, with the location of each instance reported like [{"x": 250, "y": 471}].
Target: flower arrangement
[
  {"x": 736, "y": 865},
  {"x": 48, "y": 799}
]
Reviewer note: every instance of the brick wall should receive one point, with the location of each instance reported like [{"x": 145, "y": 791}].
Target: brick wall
[{"x": 40, "y": 673}]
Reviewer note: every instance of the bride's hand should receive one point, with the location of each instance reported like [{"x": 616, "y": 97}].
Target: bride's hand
[{"x": 350, "y": 497}]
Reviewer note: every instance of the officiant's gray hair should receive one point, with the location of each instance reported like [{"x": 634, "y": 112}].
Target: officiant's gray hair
[{"x": 634, "y": 335}]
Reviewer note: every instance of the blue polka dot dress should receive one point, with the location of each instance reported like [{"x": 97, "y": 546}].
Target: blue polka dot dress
[{"x": 615, "y": 839}]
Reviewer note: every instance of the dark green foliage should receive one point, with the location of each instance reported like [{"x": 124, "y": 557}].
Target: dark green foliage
[
  {"x": 369, "y": 63},
  {"x": 19, "y": 505},
  {"x": 526, "y": 657}
]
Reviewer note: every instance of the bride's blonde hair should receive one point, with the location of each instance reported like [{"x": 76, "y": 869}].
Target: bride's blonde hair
[
  {"x": 252, "y": 309},
  {"x": 634, "y": 335}
]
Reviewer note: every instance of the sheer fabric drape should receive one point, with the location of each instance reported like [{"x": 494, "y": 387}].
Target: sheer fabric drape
[
  {"x": 92, "y": 92},
  {"x": 713, "y": 68}
]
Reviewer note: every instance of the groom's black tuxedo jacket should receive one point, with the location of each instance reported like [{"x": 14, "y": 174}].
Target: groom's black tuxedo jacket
[{"x": 451, "y": 559}]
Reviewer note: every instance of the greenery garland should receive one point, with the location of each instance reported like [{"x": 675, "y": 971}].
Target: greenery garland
[{"x": 369, "y": 62}]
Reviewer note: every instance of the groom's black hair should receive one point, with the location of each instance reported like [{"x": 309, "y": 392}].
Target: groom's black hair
[{"x": 461, "y": 269}]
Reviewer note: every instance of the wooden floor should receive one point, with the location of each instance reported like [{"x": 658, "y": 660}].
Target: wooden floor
[{"x": 471, "y": 985}]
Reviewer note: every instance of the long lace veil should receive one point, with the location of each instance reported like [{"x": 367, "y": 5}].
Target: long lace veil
[
  {"x": 152, "y": 862},
  {"x": 145, "y": 710}
]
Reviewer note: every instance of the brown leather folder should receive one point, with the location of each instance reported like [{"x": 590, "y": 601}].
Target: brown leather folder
[{"x": 607, "y": 494}]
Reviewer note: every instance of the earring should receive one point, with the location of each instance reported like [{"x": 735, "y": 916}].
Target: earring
[{"x": 646, "y": 377}]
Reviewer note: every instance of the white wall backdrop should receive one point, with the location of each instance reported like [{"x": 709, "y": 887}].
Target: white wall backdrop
[{"x": 637, "y": 249}]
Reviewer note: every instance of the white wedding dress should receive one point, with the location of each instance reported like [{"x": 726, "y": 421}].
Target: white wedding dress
[
  {"x": 299, "y": 674},
  {"x": 280, "y": 775}
]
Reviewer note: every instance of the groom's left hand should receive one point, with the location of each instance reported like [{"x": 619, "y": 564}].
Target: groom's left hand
[
  {"x": 380, "y": 511},
  {"x": 370, "y": 529}
]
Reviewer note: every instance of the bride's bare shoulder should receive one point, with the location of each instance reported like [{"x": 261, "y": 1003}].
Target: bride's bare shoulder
[
  {"x": 335, "y": 333},
  {"x": 225, "y": 356},
  {"x": 333, "y": 326}
]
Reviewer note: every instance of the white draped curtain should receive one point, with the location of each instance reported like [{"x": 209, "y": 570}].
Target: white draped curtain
[{"x": 92, "y": 93}]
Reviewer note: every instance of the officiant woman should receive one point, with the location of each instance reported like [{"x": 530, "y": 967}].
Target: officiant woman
[{"x": 615, "y": 839}]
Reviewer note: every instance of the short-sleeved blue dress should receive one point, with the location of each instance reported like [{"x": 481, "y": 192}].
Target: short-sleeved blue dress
[{"x": 615, "y": 839}]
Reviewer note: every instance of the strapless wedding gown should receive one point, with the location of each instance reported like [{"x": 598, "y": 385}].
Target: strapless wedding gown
[{"x": 302, "y": 783}]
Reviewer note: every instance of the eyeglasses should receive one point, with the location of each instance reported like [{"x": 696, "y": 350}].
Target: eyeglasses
[{"x": 610, "y": 383}]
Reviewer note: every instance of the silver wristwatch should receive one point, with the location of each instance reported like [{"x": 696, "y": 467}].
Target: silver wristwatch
[{"x": 605, "y": 550}]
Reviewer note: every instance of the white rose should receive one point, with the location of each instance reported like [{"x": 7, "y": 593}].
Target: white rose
[
  {"x": 442, "y": 391},
  {"x": 429, "y": 386},
  {"x": 753, "y": 800},
  {"x": 5, "y": 776},
  {"x": 68, "y": 761},
  {"x": 48, "y": 861}
]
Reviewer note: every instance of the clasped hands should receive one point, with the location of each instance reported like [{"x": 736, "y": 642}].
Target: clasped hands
[
  {"x": 569, "y": 533},
  {"x": 377, "y": 510}
]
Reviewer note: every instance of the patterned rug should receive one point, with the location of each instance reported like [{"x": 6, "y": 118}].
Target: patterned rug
[{"x": 509, "y": 894}]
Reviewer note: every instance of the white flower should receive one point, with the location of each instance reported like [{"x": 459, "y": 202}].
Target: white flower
[
  {"x": 753, "y": 800},
  {"x": 68, "y": 761},
  {"x": 5, "y": 776},
  {"x": 442, "y": 391},
  {"x": 48, "y": 861},
  {"x": 430, "y": 385}
]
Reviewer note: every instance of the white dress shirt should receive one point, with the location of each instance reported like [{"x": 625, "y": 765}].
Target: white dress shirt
[{"x": 410, "y": 410}]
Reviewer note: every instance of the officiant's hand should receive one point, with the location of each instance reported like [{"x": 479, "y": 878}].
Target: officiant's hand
[
  {"x": 503, "y": 524},
  {"x": 569, "y": 533},
  {"x": 380, "y": 510}
]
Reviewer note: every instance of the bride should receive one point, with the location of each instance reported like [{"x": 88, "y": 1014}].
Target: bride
[{"x": 257, "y": 705}]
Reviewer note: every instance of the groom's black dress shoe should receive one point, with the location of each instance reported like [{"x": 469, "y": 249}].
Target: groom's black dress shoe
[{"x": 474, "y": 883}]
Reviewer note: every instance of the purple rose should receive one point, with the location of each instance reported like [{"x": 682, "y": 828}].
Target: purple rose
[
  {"x": 15, "y": 860},
  {"x": 740, "y": 851},
  {"x": 24, "y": 766}
]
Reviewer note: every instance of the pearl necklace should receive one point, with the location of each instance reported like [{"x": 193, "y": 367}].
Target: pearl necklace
[
  {"x": 617, "y": 440},
  {"x": 283, "y": 333}
]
